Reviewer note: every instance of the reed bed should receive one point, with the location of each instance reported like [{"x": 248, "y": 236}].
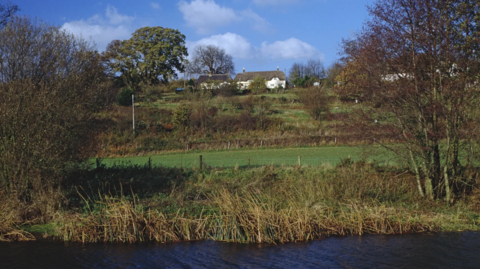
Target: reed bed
[
  {"x": 121, "y": 220},
  {"x": 253, "y": 219},
  {"x": 266, "y": 205},
  {"x": 9, "y": 231}
]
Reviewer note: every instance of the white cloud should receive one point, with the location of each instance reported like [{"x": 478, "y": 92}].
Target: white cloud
[
  {"x": 114, "y": 18},
  {"x": 102, "y": 29},
  {"x": 258, "y": 23},
  {"x": 291, "y": 48},
  {"x": 240, "y": 48},
  {"x": 233, "y": 44},
  {"x": 206, "y": 15},
  {"x": 154, "y": 5},
  {"x": 274, "y": 2}
]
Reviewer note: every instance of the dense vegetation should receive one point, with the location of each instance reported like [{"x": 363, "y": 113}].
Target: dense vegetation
[{"x": 62, "y": 103}]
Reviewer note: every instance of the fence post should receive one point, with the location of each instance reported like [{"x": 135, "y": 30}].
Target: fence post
[
  {"x": 248, "y": 162},
  {"x": 201, "y": 162},
  {"x": 299, "y": 161}
]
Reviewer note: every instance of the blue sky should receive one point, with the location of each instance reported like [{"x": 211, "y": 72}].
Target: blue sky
[{"x": 259, "y": 34}]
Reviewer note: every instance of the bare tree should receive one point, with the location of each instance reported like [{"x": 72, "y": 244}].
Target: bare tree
[
  {"x": 418, "y": 60},
  {"x": 51, "y": 84},
  {"x": 297, "y": 71},
  {"x": 332, "y": 72},
  {"x": 210, "y": 59},
  {"x": 7, "y": 10},
  {"x": 315, "y": 68},
  {"x": 302, "y": 74}
]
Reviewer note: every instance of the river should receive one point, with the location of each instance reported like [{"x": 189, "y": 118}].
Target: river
[{"x": 444, "y": 250}]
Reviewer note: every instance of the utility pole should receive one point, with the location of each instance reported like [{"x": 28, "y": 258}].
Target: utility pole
[{"x": 133, "y": 111}]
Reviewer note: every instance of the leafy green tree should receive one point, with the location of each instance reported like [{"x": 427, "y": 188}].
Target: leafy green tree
[{"x": 151, "y": 55}]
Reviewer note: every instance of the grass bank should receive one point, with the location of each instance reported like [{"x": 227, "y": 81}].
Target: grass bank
[
  {"x": 267, "y": 204},
  {"x": 271, "y": 204}
]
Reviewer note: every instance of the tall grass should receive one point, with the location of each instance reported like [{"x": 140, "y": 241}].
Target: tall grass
[
  {"x": 120, "y": 220},
  {"x": 9, "y": 231},
  {"x": 269, "y": 204}
]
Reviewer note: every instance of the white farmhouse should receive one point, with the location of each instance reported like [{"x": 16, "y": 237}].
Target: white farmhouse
[
  {"x": 212, "y": 81},
  {"x": 274, "y": 79}
]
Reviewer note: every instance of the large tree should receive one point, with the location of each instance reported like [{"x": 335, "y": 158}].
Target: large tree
[
  {"x": 7, "y": 10},
  {"x": 51, "y": 84},
  {"x": 151, "y": 55},
  {"x": 210, "y": 59},
  {"x": 419, "y": 62}
]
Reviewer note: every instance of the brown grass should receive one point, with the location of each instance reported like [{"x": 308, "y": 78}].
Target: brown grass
[
  {"x": 120, "y": 220},
  {"x": 9, "y": 217},
  {"x": 267, "y": 205}
]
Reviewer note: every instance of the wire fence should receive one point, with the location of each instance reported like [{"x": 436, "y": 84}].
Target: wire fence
[{"x": 206, "y": 162}]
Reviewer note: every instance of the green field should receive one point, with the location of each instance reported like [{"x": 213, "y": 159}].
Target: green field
[{"x": 313, "y": 156}]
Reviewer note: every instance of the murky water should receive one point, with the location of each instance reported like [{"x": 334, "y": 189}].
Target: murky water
[{"x": 446, "y": 250}]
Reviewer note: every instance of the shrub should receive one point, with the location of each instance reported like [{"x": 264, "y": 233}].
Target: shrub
[
  {"x": 124, "y": 97},
  {"x": 181, "y": 115},
  {"x": 51, "y": 85},
  {"x": 152, "y": 92},
  {"x": 317, "y": 101}
]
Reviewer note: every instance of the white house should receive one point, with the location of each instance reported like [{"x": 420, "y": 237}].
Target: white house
[
  {"x": 211, "y": 81},
  {"x": 274, "y": 79}
]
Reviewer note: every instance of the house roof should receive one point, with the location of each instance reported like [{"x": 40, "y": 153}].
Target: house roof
[
  {"x": 268, "y": 75},
  {"x": 219, "y": 77}
]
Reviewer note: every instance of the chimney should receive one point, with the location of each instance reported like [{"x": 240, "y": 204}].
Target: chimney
[
  {"x": 278, "y": 69},
  {"x": 244, "y": 70}
]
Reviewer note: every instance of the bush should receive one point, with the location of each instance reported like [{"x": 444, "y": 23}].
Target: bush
[
  {"x": 51, "y": 85},
  {"x": 124, "y": 97},
  {"x": 152, "y": 92},
  {"x": 316, "y": 101},
  {"x": 181, "y": 115}
]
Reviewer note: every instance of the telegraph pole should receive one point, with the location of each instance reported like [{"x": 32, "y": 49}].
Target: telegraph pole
[{"x": 133, "y": 111}]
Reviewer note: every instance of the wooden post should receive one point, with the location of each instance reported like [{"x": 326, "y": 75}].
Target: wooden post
[
  {"x": 228, "y": 144},
  {"x": 150, "y": 162},
  {"x": 133, "y": 113},
  {"x": 201, "y": 162},
  {"x": 248, "y": 162},
  {"x": 299, "y": 161}
]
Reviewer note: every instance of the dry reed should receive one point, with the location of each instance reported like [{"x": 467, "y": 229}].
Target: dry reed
[
  {"x": 9, "y": 231},
  {"x": 245, "y": 216}
]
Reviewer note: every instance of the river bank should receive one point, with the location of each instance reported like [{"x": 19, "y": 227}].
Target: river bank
[{"x": 270, "y": 204}]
